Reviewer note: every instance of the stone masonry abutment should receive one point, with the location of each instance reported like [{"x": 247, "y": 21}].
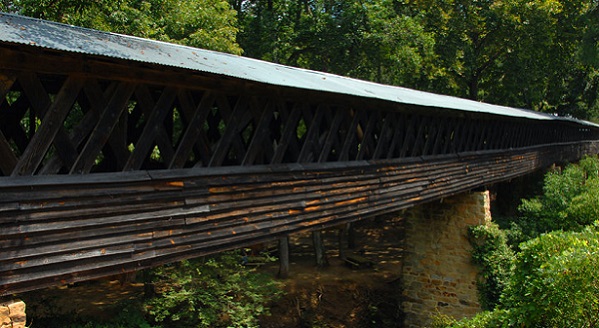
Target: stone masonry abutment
[
  {"x": 12, "y": 314},
  {"x": 438, "y": 274}
]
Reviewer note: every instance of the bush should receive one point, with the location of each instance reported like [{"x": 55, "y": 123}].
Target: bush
[
  {"x": 556, "y": 282},
  {"x": 488, "y": 319},
  {"x": 495, "y": 259},
  {"x": 570, "y": 201},
  {"x": 213, "y": 292}
]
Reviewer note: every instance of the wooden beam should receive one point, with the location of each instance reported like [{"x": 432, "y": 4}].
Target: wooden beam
[
  {"x": 153, "y": 122},
  {"x": 102, "y": 131},
  {"x": 193, "y": 131},
  {"x": 51, "y": 124}
]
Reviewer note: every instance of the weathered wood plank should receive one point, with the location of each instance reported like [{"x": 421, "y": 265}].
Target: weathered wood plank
[
  {"x": 148, "y": 136},
  {"x": 343, "y": 201},
  {"x": 101, "y": 133},
  {"x": 8, "y": 159},
  {"x": 51, "y": 124},
  {"x": 41, "y": 103},
  {"x": 261, "y": 136},
  {"x": 238, "y": 119},
  {"x": 311, "y": 145},
  {"x": 289, "y": 130},
  {"x": 193, "y": 131}
]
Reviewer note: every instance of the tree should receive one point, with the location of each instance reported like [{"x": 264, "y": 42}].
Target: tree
[
  {"x": 516, "y": 53},
  {"x": 396, "y": 48},
  {"x": 555, "y": 284},
  {"x": 373, "y": 40},
  {"x": 494, "y": 257},
  {"x": 209, "y": 24}
]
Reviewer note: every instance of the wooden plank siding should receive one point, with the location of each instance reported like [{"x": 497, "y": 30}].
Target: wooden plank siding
[
  {"x": 110, "y": 166},
  {"x": 59, "y": 229}
]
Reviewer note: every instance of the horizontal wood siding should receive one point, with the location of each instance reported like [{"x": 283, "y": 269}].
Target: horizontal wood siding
[{"x": 60, "y": 229}]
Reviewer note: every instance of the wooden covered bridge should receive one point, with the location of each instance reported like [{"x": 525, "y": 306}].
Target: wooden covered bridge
[{"x": 119, "y": 153}]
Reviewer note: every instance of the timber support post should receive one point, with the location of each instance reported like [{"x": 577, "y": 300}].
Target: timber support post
[
  {"x": 319, "y": 249},
  {"x": 283, "y": 257},
  {"x": 342, "y": 242},
  {"x": 438, "y": 275},
  {"x": 12, "y": 314},
  {"x": 351, "y": 235}
]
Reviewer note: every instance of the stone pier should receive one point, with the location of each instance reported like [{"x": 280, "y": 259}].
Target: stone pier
[
  {"x": 12, "y": 314},
  {"x": 438, "y": 274}
]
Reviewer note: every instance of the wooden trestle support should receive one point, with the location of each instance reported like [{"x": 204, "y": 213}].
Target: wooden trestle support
[{"x": 188, "y": 163}]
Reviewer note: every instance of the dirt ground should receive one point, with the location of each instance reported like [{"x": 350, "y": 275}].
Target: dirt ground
[
  {"x": 339, "y": 296},
  {"x": 335, "y": 296}
]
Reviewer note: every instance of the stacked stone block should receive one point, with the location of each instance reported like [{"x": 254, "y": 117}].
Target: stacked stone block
[
  {"x": 438, "y": 275},
  {"x": 12, "y": 314}
]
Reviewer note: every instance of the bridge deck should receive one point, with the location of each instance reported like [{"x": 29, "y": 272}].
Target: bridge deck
[{"x": 111, "y": 164}]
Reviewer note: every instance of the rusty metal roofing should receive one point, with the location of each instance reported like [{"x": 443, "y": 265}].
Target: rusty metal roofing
[{"x": 39, "y": 33}]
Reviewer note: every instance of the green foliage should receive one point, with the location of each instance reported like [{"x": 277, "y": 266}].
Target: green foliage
[
  {"x": 396, "y": 48},
  {"x": 131, "y": 316},
  {"x": 488, "y": 319},
  {"x": 556, "y": 282},
  {"x": 212, "y": 292},
  {"x": 570, "y": 201},
  {"x": 209, "y": 24},
  {"x": 495, "y": 259},
  {"x": 506, "y": 52},
  {"x": 124, "y": 314},
  {"x": 373, "y": 40}
]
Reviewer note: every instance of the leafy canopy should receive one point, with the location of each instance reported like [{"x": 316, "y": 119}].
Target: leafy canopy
[{"x": 209, "y": 24}]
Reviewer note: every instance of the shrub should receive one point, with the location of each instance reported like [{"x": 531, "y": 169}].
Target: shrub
[
  {"x": 488, "y": 319},
  {"x": 570, "y": 201},
  {"x": 495, "y": 259},
  {"x": 212, "y": 292},
  {"x": 556, "y": 282}
]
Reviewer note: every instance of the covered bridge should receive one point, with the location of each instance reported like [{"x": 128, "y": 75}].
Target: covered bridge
[{"x": 119, "y": 153}]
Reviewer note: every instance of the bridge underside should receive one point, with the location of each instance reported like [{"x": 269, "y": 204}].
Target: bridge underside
[{"x": 60, "y": 229}]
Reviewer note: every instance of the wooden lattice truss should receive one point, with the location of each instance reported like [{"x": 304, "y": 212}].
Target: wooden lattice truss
[{"x": 100, "y": 116}]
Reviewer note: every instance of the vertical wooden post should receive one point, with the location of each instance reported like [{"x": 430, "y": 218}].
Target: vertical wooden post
[
  {"x": 284, "y": 257},
  {"x": 351, "y": 235},
  {"x": 343, "y": 232},
  {"x": 319, "y": 250},
  {"x": 148, "y": 285}
]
